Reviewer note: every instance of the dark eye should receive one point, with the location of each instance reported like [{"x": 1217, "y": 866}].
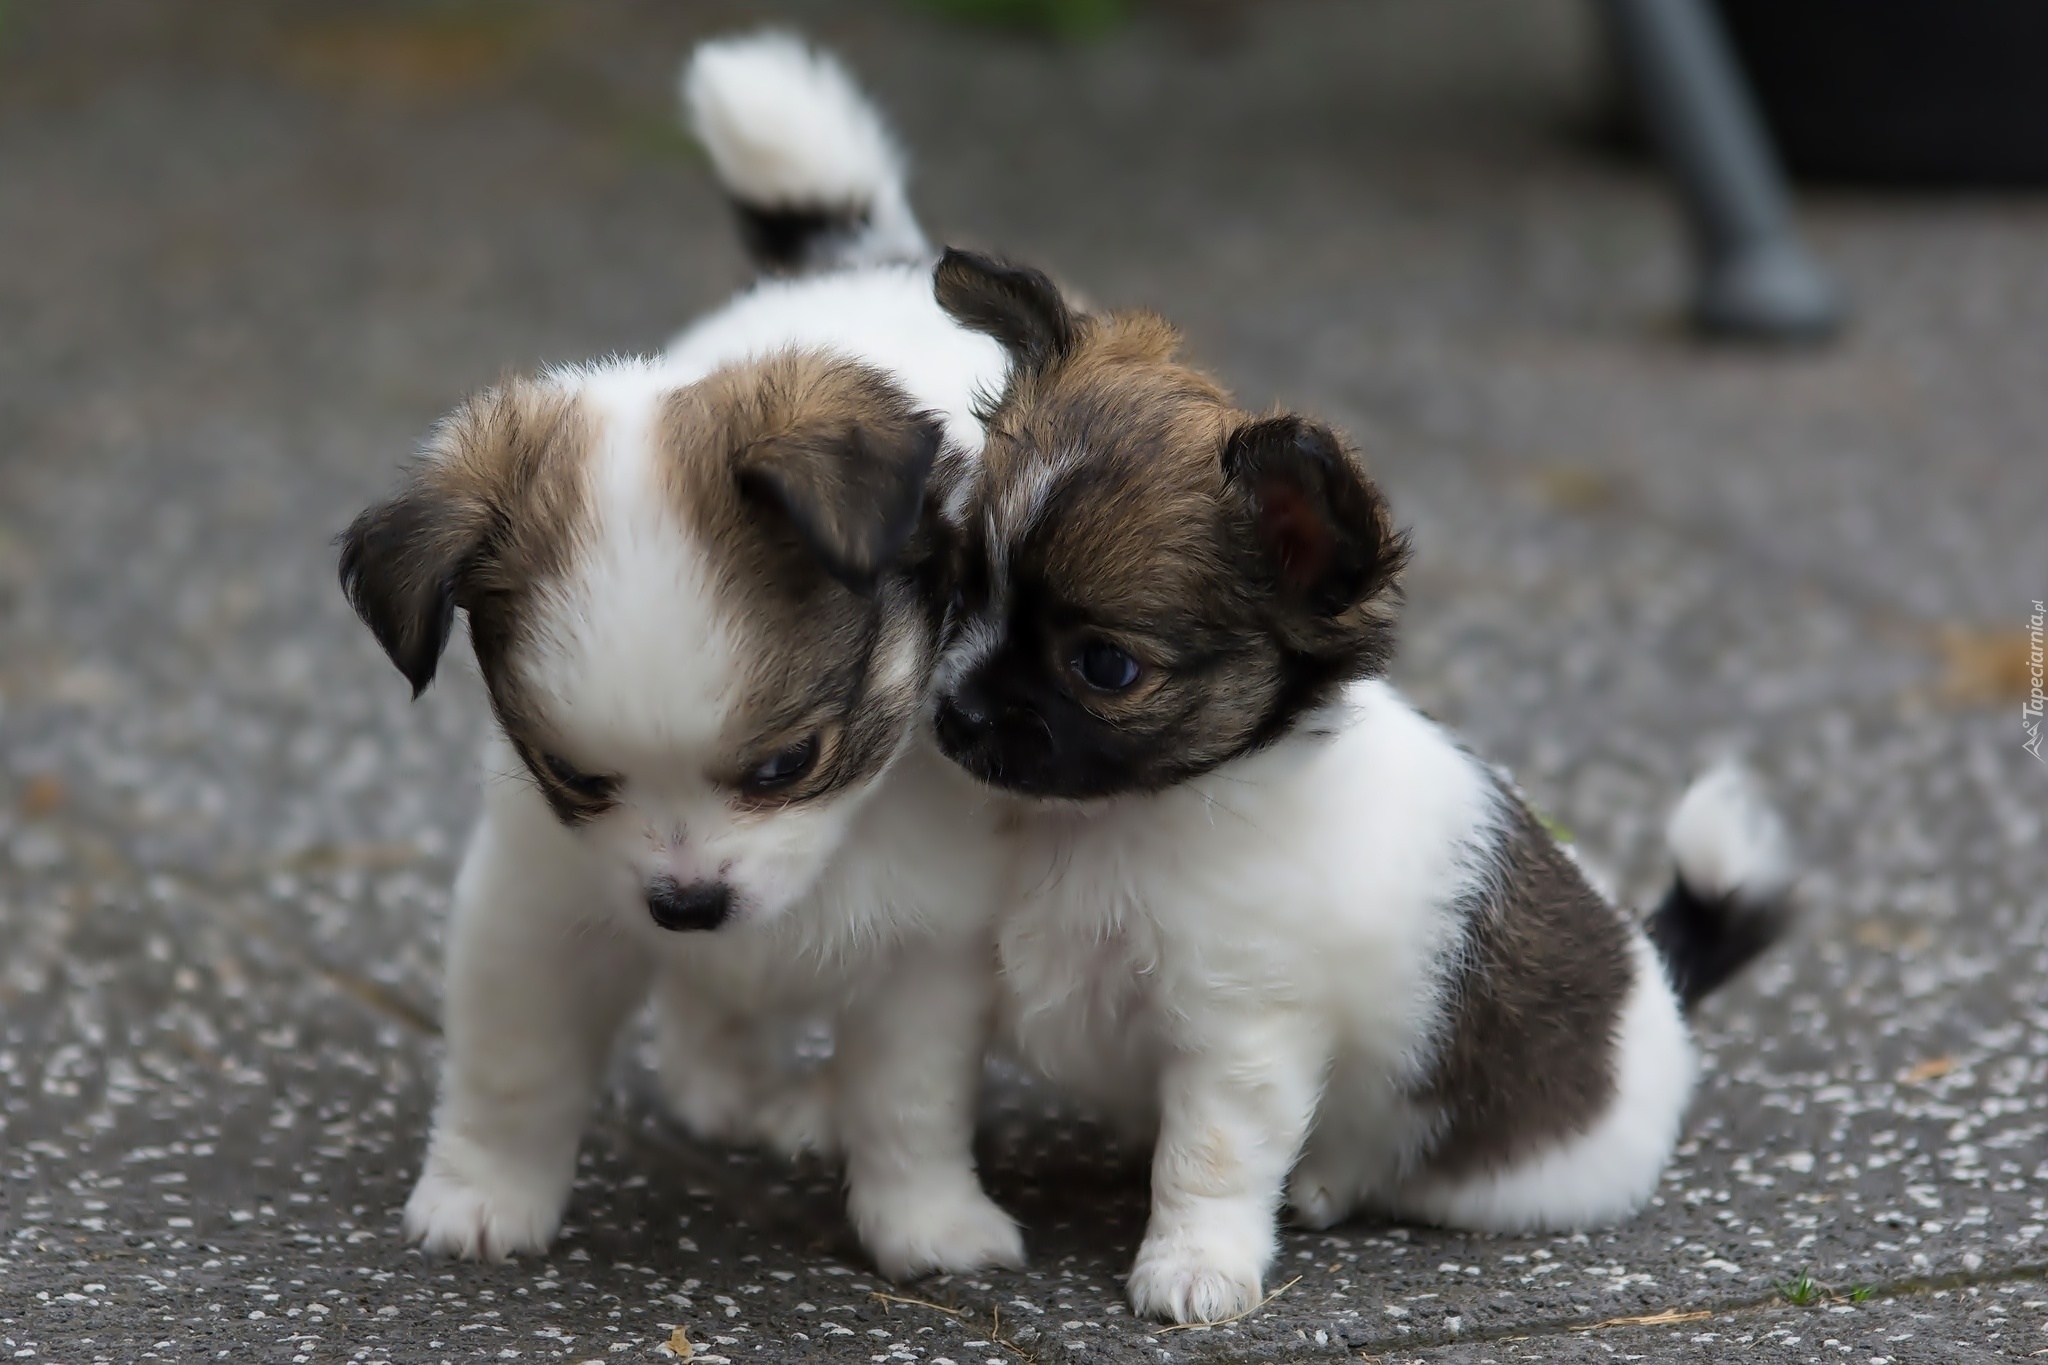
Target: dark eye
[
  {"x": 575, "y": 795},
  {"x": 1104, "y": 667},
  {"x": 784, "y": 768},
  {"x": 579, "y": 784}
]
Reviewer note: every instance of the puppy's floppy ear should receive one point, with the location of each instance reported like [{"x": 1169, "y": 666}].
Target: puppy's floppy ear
[
  {"x": 1015, "y": 304},
  {"x": 1323, "y": 526},
  {"x": 851, "y": 488},
  {"x": 401, "y": 563}
]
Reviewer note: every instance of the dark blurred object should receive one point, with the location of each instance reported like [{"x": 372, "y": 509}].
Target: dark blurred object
[
  {"x": 1070, "y": 19},
  {"x": 1756, "y": 280},
  {"x": 1930, "y": 92}
]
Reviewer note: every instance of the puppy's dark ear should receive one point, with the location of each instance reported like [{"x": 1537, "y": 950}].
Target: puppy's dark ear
[
  {"x": 401, "y": 562},
  {"x": 1323, "y": 527},
  {"x": 851, "y": 488},
  {"x": 1015, "y": 304}
]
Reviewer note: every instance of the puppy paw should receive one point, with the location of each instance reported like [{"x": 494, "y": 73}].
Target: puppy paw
[
  {"x": 452, "y": 1214},
  {"x": 798, "y": 1119},
  {"x": 1185, "y": 1279},
  {"x": 1316, "y": 1200},
  {"x": 913, "y": 1231},
  {"x": 711, "y": 1102}
]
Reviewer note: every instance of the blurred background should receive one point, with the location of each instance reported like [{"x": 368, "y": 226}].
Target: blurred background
[{"x": 250, "y": 251}]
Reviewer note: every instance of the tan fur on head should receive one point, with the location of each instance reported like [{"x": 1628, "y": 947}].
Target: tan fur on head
[
  {"x": 796, "y": 480},
  {"x": 504, "y": 469},
  {"x": 1225, "y": 573},
  {"x": 804, "y": 477}
]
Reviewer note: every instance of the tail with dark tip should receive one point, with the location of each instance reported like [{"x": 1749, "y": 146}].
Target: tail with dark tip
[
  {"x": 817, "y": 179},
  {"x": 1732, "y": 896}
]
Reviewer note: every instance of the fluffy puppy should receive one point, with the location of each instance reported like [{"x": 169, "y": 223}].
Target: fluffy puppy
[
  {"x": 1264, "y": 906},
  {"x": 701, "y": 595}
]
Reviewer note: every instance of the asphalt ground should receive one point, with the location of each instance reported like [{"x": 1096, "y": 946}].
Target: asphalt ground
[{"x": 248, "y": 253}]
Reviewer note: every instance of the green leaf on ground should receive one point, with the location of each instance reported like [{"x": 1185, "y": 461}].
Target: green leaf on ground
[
  {"x": 1556, "y": 828},
  {"x": 1802, "y": 1290}
]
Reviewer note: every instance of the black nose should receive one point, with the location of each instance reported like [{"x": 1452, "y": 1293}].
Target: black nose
[
  {"x": 963, "y": 720},
  {"x": 700, "y": 905}
]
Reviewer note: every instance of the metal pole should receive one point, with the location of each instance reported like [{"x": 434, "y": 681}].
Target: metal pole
[{"x": 1756, "y": 278}]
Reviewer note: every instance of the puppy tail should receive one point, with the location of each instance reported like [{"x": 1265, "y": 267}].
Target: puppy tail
[
  {"x": 817, "y": 179},
  {"x": 1732, "y": 897}
]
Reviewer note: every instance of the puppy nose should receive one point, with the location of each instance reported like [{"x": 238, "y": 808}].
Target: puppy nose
[
  {"x": 962, "y": 720},
  {"x": 700, "y": 905}
]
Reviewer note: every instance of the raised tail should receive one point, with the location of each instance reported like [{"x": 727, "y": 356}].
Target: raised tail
[
  {"x": 1732, "y": 897},
  {"x": 810, "y": 165}
]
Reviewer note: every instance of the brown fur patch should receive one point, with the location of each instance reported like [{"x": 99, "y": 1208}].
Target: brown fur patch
[
  {"x": 844, "y": 440},
  {"x": 1127, "y": 501},
  {"x": 798, "y": 474},
  {"x": 493, "y": 509},
  {"x": 1528, "y": 1053},
  {"x": 490, "y": 508},
  {"x": 1129, "y": 537}
]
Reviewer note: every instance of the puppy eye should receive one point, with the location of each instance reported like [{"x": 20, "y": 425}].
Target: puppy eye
[
  {"x": 582, "y": 785},
  {"x": 1105, "y": 667},
  {"x": 783, "y": 768}
]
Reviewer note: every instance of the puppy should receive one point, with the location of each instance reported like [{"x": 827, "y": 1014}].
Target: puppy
[
  {"x": 1263, "y": 905},
  {"x": 702, "y": 595}
]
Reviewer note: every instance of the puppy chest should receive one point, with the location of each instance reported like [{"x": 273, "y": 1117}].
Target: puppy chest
[{"x": 1080, "y": 1008}]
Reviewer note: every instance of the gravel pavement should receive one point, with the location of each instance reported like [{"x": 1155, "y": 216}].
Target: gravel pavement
[{"x": 249, "y": 252}]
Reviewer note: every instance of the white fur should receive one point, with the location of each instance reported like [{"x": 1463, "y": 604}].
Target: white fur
[
  {"x": 641, "y": 664},
  {"x": 1258, "y": 961},
  {"x": 550, "y": 948},
  {"x": 786, "y": 127},
  {"x": 1607, "y": 1172},
  {"x": 1727, "y": 838},
  {"x": 867, "y": 911},
  {"x": 1211, "y": 956},
  {"x": 885, "y": 315}
]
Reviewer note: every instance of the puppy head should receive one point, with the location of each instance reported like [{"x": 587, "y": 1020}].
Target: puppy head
[
  {"x": 704, "y": 612},
  {"x": 1148, "y": 581}
]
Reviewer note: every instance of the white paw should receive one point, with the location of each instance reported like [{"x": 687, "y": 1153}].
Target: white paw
[
  {"x": 914, "y": 1230},
  {"x": 714, "y": 1104},
  {"x": 1315, "y": 1200},
  {"x": 451, "y": 1214},
  {"x": 799, "y": 1118},
  {"x": 1184, "y": 1278}
]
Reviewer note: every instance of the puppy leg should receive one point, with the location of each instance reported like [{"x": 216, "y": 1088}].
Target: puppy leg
[
  {"x": 1232, "y": 1118},
  {"x": 1367, "y": 1133},
  {"x": 707, "y": 1063},
  {"x": 798, "y": 1116},
  {"x": 1325, "y": 1187},
  {"x": 733, "y": 1077},
  {"x": 533, "y": 1000},
  {"x": 908, "y": 1067}
]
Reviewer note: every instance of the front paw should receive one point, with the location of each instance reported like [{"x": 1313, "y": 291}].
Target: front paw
[
  {"x": 914, "y": 1230},
  {"x": 799, "y": 1119},
  {"x": 478, "y": 1216},
  {"x": 1187, "y": 1278},
  {"x": 1316, "y": 1199},
  {"x": 713, "y": 1103}
]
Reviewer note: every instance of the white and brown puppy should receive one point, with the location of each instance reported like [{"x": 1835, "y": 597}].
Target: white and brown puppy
[
  {"x": 704, "y": 607},
  {"x": 1263, "y": 903}
]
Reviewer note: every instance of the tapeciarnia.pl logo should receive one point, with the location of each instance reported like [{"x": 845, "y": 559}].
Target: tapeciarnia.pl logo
[{"x": 2030, "y": 713}]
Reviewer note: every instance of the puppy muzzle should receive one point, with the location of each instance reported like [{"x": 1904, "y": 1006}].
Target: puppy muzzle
[
  {"x": 1001, "y": 744},
  {"x": 700, "y": 905}
]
